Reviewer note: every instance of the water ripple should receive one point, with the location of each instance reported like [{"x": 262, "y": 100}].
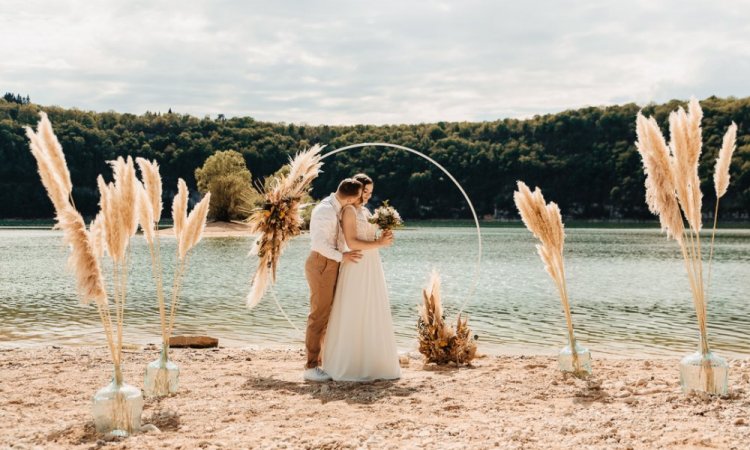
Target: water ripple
[{"x": 628, "y": 289}]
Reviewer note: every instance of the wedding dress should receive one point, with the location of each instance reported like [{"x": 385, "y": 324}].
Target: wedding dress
[{"x": 360, "y": 344}]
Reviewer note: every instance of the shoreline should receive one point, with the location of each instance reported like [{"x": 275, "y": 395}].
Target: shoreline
[
  {"x": 625, "y": 224},
  {"x": 244, "y": 398},
  {"x": 411, "y": 352}
]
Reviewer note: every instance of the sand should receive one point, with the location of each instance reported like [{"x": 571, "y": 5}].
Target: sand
[
  {"x": 233, "y": 398},
  {"x": 217, "y": 229}
]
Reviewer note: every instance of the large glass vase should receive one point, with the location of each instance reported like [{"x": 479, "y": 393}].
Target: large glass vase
[
  {"x": 162, "y": 376},
  {"x": 578, "y": 362},
  {"x": 117, "y": 407},
  {"x": 703, "y": 371}
]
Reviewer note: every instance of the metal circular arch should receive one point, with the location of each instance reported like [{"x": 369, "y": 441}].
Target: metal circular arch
[{"x": 458, "y": 185}]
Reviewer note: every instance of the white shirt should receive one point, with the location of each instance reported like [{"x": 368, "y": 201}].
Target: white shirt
[{"x": 326, "y": 237}]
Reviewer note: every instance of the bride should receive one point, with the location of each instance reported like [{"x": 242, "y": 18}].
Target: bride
[{"x": 360, "y": 343}]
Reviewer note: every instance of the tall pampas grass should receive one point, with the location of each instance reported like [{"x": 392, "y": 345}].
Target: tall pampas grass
[
  {"x": 179, "y": 207},
  {"x": 672, "y": 179},
  {"x": 721, "y": 183},
  {"x": 55, "y": 177},
  {"x": 279, "y": 219},
  {"x": 110, "y": 231},
  {"x": 545, "y": 223},
  {"x": 188, "y": 230},
  {"x": 189, "y": 236},
  {"x": 439, "y": 342},
  {"x": 152, "y": 184},
  {"x": 119, "y": 204}
]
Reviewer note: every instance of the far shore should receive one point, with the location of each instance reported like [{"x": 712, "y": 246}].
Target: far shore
[
  {"x": 218, "y": 229},
  {"x": 240, "y": 229}
]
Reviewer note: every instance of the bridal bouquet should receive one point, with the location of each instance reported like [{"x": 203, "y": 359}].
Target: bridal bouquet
[{"x": 386, "y": 217}]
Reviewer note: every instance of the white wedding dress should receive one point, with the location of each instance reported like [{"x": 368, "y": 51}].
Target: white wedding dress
[{"x": 360, "y": 344}]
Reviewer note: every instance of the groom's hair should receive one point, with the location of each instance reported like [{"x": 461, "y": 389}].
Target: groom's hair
[
  {"x": 363, "y": 179},
  {"x": 349, "y": 187}
]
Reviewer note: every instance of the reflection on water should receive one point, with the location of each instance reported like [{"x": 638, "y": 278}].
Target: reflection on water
[{"x": 628, "y": 289}]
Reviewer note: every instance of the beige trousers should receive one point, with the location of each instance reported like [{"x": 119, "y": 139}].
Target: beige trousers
[{"x": 321, "y": 274}]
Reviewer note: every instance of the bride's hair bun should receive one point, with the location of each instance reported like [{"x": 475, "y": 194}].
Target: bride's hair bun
[{"x": 363, "y": 178}]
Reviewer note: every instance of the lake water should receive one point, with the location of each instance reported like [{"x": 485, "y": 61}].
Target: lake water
[{"x": 628, "y": 290}]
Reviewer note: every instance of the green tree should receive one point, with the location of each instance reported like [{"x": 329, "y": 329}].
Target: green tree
[{"x": 226, "y": 176}]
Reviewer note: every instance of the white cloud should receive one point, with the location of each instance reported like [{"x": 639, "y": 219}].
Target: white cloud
[{"x": 371, "y": 62}]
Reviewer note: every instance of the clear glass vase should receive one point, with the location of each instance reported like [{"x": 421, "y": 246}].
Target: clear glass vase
[
  {"x": 704, "y": 371},
  {"x": 162, "y": 376},
  {"x": 578, "y": 363},
  {"x": 117, "y": 407}
]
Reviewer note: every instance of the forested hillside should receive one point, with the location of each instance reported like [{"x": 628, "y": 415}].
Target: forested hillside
[{"x": 583, "y": 159}]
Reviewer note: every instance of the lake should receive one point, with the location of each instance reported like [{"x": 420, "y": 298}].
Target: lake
[{"x": 628, "y": 289}]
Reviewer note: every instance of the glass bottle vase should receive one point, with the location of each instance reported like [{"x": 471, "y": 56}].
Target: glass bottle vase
[
  {"x": 162, "y": 376},
  {"x": 579, "y": 363},
  {"x": 117, "y": 407},
  {"x": 703, "y": 371}
]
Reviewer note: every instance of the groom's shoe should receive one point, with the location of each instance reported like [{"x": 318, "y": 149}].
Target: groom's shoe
[{"x": 316, "y": 374}]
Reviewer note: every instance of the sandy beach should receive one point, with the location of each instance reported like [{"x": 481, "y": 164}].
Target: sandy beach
[
  {"x": 217, "y": 229},
  {"x": 248, "y": 398}
]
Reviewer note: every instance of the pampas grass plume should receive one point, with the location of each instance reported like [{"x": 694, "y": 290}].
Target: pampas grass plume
[
  {"x": 83, "y": 261},
  {"x": 152, "y": 182},
  {"x": 55, "y": 177},
  {"x": 685, "y": 145},
  {"x": 179, "y": 208},
  {"x": 258, "y": 285},
  {"x": 721, "y": 172},
  {"x": 660, "y": 182},
  {"x": 55, "y": 152},
  {"x": 126, "y": 187},
  {"x": 544, "y": 221},
  {"x": 194, "y": 225},
  {"x": 114, "y": 233},
  {"x": 145, "y": 214},
  {"x": 51, "y": 180},
  {"x": 96, "y": 233},
  {"x": 433, "y": 291}
]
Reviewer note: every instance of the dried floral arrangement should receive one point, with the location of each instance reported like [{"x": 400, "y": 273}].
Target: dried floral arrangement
[
  {"x": 439, "y": 342},
  {"x": 279, "y": 219}
]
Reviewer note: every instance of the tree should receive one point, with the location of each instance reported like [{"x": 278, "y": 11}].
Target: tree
[
  {"x": 585, "y": 158},
  {"x": 226, "y": 176}
]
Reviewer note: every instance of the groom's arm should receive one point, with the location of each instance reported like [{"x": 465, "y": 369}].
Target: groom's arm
[{"x": 323, "y": 228}]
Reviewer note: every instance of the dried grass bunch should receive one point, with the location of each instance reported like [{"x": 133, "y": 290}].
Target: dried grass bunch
[
  {"x": 545, "y": 223},
  {"x": 188, "y": 231},
  {"x": 124, "y": 204},
  {"x": 673, "y": 189},
  {"x": 279, "y": 219},
  {"x": 438, "y": 342},
  {"x": 110, "y": 231}
]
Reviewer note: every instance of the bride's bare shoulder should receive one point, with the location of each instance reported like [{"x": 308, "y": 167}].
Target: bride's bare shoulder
[{"x": 349, "y": 210}]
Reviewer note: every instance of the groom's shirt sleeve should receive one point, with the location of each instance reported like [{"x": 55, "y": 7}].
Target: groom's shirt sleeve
[{"x": 323, "y": 231}]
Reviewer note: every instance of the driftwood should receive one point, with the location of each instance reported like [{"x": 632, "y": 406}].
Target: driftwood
[{"x": 193, "y": 342}]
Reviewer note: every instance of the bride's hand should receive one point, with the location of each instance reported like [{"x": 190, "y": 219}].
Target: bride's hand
[{"x": 386, "y": 239}]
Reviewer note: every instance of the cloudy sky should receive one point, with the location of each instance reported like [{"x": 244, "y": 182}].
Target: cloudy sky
[{"x": 348, "y": 61}]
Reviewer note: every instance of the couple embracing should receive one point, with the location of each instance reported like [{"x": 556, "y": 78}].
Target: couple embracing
[{"x": 349, "y": 333}]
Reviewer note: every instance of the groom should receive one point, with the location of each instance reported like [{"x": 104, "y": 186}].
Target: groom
[{"x": 322, "y": 269}]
